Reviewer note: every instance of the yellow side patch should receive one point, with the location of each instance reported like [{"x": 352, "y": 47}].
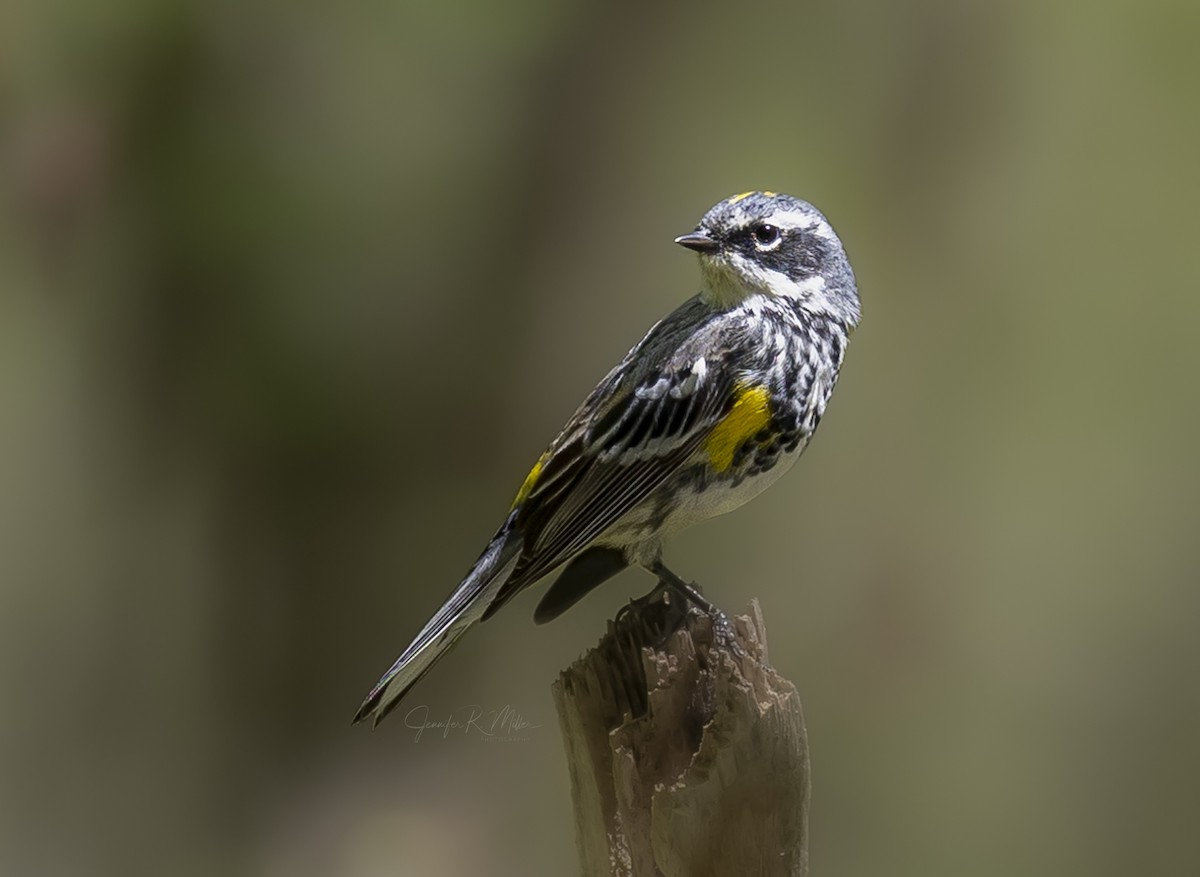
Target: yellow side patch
[
  {"x": 751, "y": 412},
  {"x": 530, "y": 480}
]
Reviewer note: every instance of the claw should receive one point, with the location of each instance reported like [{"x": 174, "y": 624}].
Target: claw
[{"x": 666, "y": 614}]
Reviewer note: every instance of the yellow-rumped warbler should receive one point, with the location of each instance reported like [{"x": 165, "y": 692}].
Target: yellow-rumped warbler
[{"x": 715, "y": 403}]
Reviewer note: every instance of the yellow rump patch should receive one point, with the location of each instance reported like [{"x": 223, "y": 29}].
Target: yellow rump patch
[
  {"x": 530, "y": 480},
  {"x": 751, "y": 412}
]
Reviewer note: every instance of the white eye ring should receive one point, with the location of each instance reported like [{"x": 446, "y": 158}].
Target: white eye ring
[{"x": 766, "y": 236}]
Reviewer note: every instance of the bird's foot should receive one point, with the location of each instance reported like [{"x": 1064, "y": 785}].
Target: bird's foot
[
  {"x": 660, "y": 612},
  {"x": 722, "y": 626},
  {"x": 690, "y": 591}
]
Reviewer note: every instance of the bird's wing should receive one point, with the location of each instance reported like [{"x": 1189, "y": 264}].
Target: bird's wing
[{"x": 635, "y": 430}]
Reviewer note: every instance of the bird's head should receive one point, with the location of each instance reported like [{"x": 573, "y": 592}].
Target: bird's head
[{"x": 764, "y": 243}]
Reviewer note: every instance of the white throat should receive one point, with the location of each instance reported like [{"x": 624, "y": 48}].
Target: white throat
[{"x": 730, "y": 279}]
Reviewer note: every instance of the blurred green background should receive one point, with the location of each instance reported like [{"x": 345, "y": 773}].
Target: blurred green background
[{"x": 291, "y": 296}]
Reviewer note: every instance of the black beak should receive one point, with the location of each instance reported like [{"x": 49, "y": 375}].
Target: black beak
[{"x": 698, "y": 241}]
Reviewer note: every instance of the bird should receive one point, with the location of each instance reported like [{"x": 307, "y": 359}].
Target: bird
[{"x": 714, "y": 404}]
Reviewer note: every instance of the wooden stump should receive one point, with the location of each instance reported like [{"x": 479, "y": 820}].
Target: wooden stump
[{"x": 687, "y": 758}]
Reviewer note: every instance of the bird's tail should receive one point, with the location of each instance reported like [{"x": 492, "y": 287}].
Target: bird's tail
[{"x": 464, "y": 607}]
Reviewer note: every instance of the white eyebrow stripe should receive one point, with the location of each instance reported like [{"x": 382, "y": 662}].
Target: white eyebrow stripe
[{"x": 808, "y": 221}]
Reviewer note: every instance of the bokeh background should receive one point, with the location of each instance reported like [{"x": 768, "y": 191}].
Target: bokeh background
[{"x": 291, "y": 295}]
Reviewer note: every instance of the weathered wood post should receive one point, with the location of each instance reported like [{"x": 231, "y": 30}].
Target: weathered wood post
[{"x": 687, "y": 756}]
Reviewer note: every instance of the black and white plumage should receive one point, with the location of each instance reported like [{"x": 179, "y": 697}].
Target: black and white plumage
[{"x": 707, "y": 410}]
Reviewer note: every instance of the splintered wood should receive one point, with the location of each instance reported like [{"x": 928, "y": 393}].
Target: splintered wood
[{"x": 687, "y": 751}]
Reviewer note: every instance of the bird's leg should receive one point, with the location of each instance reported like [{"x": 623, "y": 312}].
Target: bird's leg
[
  {"x": 669, "y": 581},
  {"x": 688, "y": 591},
  {"x": 720, "y": 620},
  {"x": 638, "y": 603},
  {"x": 668, "y": 613}
]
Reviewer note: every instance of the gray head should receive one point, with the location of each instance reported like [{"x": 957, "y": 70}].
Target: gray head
[{"x": 763, "y": 243}]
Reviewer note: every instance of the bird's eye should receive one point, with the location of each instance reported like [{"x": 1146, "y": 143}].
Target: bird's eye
[{"x": 765, "y": 236}]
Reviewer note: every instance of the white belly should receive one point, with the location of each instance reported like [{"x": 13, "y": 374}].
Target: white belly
[
  {"x": 691, "y": 505},
  {"x": 695, "y": 506}
]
